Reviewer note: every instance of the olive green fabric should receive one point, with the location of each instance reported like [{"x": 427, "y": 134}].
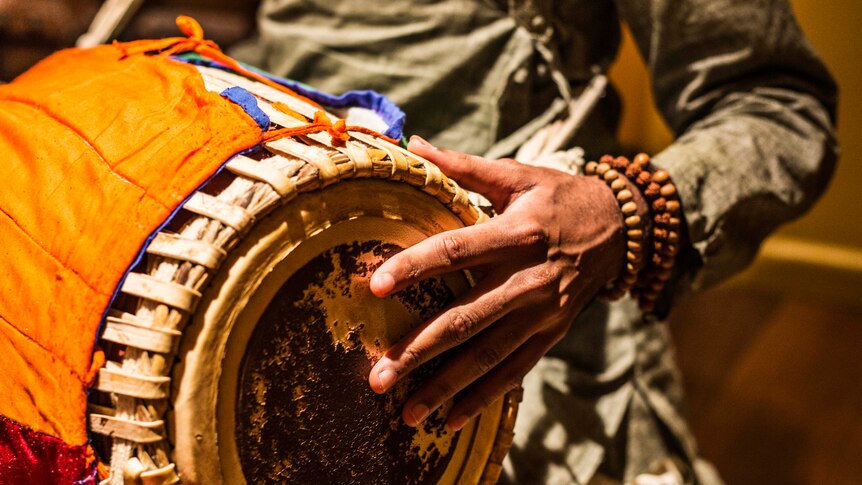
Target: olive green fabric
[{"x": 753, "y": 107}]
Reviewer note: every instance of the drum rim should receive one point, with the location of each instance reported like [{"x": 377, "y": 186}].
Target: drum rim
[
  {"x": 276, "y": 252},
  {"x": 363, "y": 157}
]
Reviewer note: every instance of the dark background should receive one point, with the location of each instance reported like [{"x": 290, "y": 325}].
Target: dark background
[{"x": 32, "y": 29}]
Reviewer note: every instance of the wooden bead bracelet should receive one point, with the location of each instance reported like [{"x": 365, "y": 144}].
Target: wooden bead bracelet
[
  {"x": 635, "y": 227},
  {"x": 661, "y": 194},
  {"x": 651, "y": 246}
]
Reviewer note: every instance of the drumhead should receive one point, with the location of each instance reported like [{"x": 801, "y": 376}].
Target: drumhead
[{"x": 299, "y": 330}]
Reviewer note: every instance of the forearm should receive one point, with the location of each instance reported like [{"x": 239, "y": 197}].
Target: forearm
[
  {"x": 760, "y": 159},
  {"x": 754, "y": 110}
]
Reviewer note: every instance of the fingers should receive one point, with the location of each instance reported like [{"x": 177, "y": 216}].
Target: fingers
[
  {"x": 494, "y": 297},
  {"x": 495, "y": 179},
  {"x": 450, "y": 251},
  {"x": 481, "y": 356},
  {"x": 488, "y": 302}
]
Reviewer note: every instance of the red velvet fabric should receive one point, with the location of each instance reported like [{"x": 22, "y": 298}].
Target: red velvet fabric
[{"x": 30, "y": 457}]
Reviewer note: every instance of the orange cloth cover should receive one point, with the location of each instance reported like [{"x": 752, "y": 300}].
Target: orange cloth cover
[{"x": 95, "y": 153}]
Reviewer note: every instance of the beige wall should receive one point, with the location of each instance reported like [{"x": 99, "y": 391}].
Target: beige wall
[{"x": 819, "y": 255}]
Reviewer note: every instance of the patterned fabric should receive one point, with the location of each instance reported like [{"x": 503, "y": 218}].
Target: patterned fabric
[
  {"x": 753, "y": 108},
  {"x": 29, "y": 457}
]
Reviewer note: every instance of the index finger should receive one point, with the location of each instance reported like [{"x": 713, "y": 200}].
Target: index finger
[
  {"x": 495, "y": 179},
  {"x": 446, "y": 252}
]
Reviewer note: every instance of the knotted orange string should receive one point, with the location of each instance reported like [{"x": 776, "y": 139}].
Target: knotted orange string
[
  {"x": 195, "y": 42},
  {"x": 338, "y": 130}
]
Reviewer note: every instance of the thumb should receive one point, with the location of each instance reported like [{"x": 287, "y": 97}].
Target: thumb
[{"x": 492, "y": 178}]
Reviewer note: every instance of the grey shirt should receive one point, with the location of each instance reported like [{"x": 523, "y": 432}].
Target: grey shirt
[{"x": 753, "y": 110}]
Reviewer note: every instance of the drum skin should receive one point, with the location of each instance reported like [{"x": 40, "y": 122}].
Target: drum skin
[{"x": 308, "y": 328}]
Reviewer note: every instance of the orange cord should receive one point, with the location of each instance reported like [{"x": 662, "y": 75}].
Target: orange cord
[
  {"x": 338, "y": 130},
  {"x": 195, "y": 42}
]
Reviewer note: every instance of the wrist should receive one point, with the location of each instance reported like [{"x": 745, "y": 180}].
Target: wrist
[
  {"x": 650, "y": 210},
  {"x": 611, "y": 229},
  {"x": 633, "y": 209}
]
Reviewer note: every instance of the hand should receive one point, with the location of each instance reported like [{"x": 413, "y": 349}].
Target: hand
[{"x": 557, "y": 240}]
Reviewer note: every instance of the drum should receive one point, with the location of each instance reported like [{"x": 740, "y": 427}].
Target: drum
[{"x": 239, "y": 347}]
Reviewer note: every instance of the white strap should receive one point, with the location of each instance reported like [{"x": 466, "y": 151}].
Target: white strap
[
  {"x": 169, "y": 293},
  {"x": 135, "y": 385},
  {"x": 284, "y": 186},
  {"x": 141, "y": 337},
  {"x": 208, "y": 206},
  {"x": 552, "y": 137},
  {"x": 183, "y": 249},
  {"x": 108, "y": 22},
  {"x": 135, "y": 431},
  {"x": 316, "y": 156}
]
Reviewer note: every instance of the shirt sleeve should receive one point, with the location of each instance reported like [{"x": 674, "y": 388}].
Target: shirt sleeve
[{"x": 753, "y": 108}]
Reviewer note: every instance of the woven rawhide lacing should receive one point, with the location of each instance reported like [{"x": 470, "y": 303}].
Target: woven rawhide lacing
[{"x": 145, "y": 324}]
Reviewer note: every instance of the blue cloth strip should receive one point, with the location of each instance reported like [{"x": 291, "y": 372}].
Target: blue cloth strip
[
  {"x": 389, "y": 112},
  {"x": 248, "y": 103}
]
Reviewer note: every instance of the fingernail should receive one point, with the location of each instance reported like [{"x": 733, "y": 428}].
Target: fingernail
[
  {"x": 386, "y": 378},
  {"x": 421, "y": 141},
  {"x": 383, "y": 282},
  {"x": 455, "y": 424},
  {"x": 419, "y": 412}
]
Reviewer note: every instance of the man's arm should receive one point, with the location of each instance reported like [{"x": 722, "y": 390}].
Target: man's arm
[{"x": 754, "y": 109}]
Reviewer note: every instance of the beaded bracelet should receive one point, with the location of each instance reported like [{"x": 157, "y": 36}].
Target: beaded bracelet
[
  {"x": 634, "y": 225},
  {"x": 645, "y": 281},
  {"x": 661, "y": 194}
]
